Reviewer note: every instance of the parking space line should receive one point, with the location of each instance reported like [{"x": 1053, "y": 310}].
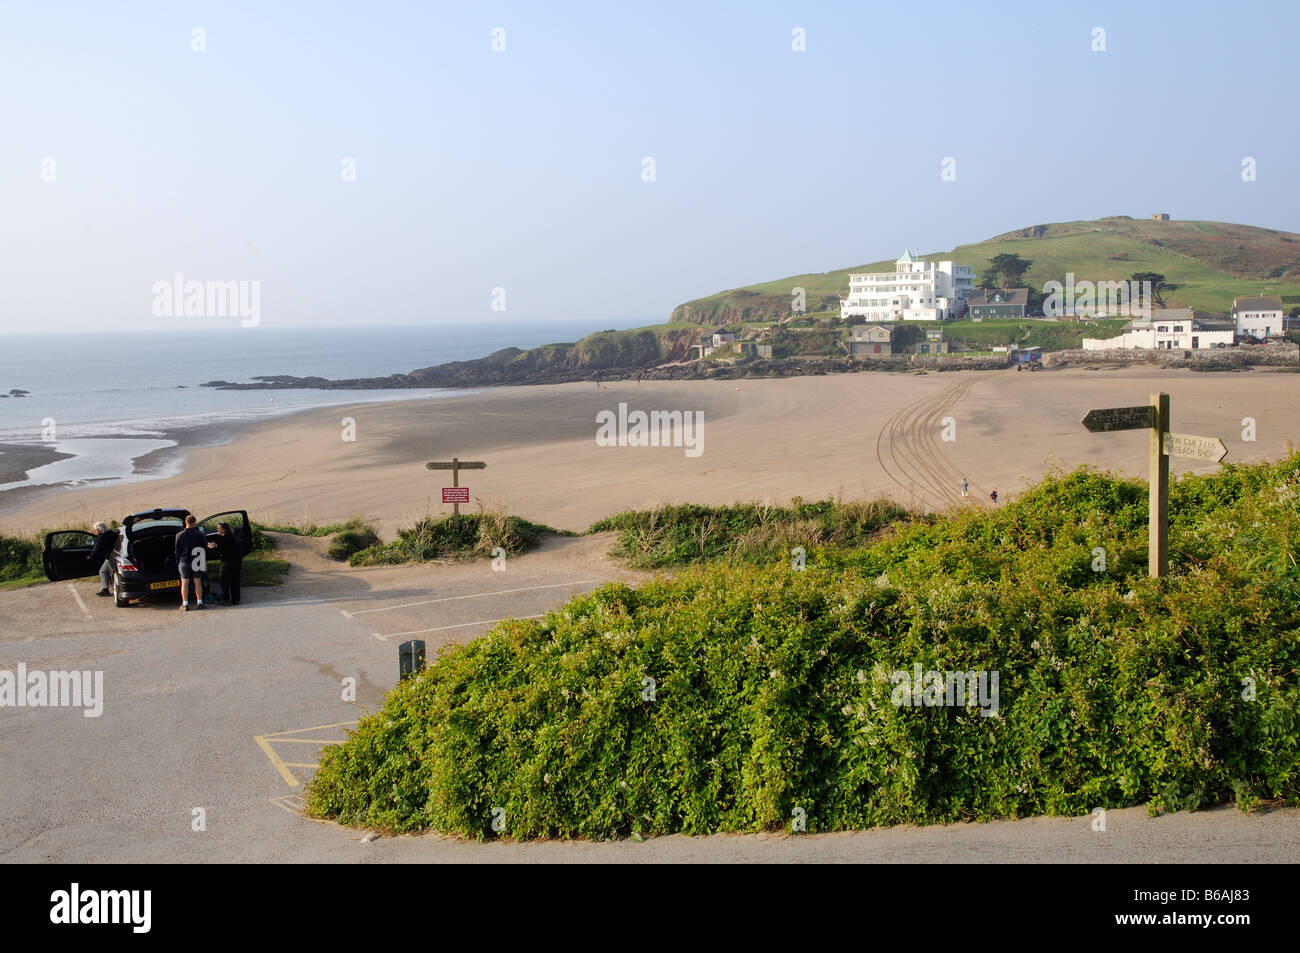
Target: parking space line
[
  {"x": 282, "y": 766},
  {"x": 76, "y": 595},
  {"x": 476, "y": 595},
  {"x": 459, "y": 625}
]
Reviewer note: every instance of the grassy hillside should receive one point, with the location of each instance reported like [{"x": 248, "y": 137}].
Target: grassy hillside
[{"x": 1211, "y": 262}]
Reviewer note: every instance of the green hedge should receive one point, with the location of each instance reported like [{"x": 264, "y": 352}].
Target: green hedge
[
  {"x": 20, "y": 559},
  {"x": 772, "y": 691}
]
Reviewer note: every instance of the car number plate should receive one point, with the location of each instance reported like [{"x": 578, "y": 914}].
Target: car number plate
[{"x": 169, "y": 584}]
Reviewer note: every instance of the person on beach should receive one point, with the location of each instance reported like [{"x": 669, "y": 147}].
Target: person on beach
[
  {"x": 994, "y": 496},
  {"x": 231, "y": 551},
  {"x": 965, "y": 488},
  {"x": 105, "y": 540},
  {"x": 190, "y": 560}
]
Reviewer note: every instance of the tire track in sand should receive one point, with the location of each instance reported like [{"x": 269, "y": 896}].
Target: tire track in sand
[{"x": 907, "y": 448}]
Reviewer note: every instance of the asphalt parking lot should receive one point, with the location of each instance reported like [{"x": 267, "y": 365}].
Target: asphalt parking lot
[{"x": 212, "y": 721}]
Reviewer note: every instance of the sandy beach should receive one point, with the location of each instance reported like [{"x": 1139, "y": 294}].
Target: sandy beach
[{"x": 851, "y": 435}]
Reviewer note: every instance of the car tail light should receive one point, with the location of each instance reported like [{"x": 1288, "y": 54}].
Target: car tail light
[{"x": 126, "y": 567}]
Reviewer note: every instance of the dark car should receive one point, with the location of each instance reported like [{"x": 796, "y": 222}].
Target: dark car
[{"x": 144, "y": 560}]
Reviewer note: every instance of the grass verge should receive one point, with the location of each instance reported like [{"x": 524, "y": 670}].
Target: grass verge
[{"x": 488, "y": 533}]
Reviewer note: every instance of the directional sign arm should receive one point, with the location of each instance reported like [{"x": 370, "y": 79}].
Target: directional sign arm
[
  {"x": 1196, "y": 448},
  {"x": 1108, "y": 419}
]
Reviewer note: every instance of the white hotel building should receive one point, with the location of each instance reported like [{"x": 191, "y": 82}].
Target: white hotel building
[{"x": 914, "y": 291}]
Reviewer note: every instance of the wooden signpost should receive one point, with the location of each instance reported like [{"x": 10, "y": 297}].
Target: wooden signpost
[
  {"x": 1163, "y": 445},
  {"x": 455, "y": 466}
]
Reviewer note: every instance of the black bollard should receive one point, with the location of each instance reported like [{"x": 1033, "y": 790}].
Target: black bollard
[{"x": 410, "y": 659}]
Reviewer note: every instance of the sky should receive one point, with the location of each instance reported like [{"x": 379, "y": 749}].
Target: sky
[{"x": 211, "y": 140}]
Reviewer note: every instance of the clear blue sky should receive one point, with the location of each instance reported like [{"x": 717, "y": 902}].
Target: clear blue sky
[{"x": 522, "y": 169}]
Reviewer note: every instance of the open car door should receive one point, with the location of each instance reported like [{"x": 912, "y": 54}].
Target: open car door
[
  {"x": 239, "y": 525},
  {"x": 67, "y": 554}
]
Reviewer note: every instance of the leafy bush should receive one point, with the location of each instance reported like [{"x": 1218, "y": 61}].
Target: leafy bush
[
  {"x": 772, "y": 687},
  {"x": 354, "y": 536},
  {"x": 450, "y": 536},
  {"x": 259, "y": 542},
  {"x": 20, "y": 559}
]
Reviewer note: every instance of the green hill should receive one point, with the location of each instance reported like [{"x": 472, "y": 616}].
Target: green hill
[{"x": 1210, "y": 262}]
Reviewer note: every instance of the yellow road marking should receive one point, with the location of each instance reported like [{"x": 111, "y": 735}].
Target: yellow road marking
[
  {"x": 264, "y": 742},
  {"x": 291, "y": 803},
  {"x": 280, "y": 766},
  {"x": 291, "y": 731}
]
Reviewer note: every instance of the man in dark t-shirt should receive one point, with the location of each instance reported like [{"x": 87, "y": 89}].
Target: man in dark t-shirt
[{"x": 191, "y": 559}]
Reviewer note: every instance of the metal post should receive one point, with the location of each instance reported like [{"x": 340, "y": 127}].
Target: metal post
[
  {"x": 455, "y": 481},
  {"x": 1158, "y": 492}
]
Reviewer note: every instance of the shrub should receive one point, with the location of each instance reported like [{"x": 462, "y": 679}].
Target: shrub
[
  {"x": 354, "y": 536},
  {"x": 455, "y": 537},
  {"x": 20, "y": 559},
  {"x": 745, "y": 532},
  {"x": 772, "y": 688}
]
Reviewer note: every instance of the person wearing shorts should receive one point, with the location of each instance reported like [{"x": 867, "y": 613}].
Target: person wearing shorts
[{"x": 191, "y": 545}]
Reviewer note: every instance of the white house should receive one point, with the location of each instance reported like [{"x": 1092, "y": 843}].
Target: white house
[
  {"x": 914, "y": 291},
  {"x": 1258, "y": 317},
  {"x": 1171, "y": 329}
]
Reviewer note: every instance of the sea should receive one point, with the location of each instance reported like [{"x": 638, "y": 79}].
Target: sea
[{"x": 113, "y": 399}]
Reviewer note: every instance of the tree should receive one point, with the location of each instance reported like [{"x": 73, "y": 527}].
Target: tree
[
  {"x": 1158, "y": 285},
  {"x": 1009, "y": 269}
]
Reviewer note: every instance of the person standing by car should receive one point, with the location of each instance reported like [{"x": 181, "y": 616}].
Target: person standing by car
[
  {"x": 230, "y": 549},
  {"x": 191, "y": 561},
  {"x": 105, "y": 540}
]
